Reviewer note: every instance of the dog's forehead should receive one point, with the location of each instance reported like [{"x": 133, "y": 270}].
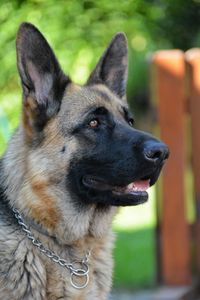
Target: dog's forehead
[{"x": 78, "y": 99}]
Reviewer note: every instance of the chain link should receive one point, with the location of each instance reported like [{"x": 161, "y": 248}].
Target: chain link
[{"x": 83, "y": 271}]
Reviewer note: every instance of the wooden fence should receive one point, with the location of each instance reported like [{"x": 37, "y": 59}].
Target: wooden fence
[{"x": 176, "y": 81}]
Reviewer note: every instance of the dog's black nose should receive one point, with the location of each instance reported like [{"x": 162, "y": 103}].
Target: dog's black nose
[{"x": 155, "y": 151}]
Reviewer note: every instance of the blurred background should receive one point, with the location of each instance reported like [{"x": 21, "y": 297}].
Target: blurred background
[{"x": 79, "y": 31}]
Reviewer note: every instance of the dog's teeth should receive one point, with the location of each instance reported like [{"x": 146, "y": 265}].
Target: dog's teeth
[
  {"x": 140, "y": 185},
  {"x": 130, "y": 186}
]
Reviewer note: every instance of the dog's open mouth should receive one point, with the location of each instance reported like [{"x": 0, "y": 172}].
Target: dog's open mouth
[
  {"x": 132, "y": 194},
  {"x": 135, "y": 187}
]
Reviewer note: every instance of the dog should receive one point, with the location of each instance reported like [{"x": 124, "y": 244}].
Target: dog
[{"x": 74, "y": 159}]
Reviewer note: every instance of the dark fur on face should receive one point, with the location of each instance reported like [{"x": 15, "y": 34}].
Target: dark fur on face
[{"x": 115, "y": 156}]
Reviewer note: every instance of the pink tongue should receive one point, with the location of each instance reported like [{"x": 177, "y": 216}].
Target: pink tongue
[{"x": 140, "y": 185}]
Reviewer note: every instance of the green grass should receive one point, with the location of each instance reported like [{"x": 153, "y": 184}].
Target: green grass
[{"x": 135, "y": 259}]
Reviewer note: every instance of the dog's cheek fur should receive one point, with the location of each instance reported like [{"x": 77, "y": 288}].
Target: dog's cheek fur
[
  {"x": 43, "y": 175},
  {"x": 36, "y": 195},
  {"x": 45, "y": 211}
]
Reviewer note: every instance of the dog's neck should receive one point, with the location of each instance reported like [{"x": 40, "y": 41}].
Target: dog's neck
[{"x": 37, "y": 227}]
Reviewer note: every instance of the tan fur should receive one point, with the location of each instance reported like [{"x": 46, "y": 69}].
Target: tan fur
[
  {"x": 45, "y": 211},
  {"x": 28, "y": 116}
]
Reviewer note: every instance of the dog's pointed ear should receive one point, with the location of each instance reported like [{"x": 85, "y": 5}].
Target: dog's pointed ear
[
  {"x": 43, "y": 81},
  {"x": 112, "y": 67}
]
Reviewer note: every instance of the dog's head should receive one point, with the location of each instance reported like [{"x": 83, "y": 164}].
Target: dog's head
[{"x": 82, "y": 138}]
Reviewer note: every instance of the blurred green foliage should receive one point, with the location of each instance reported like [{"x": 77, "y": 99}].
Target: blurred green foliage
[{"x": 79, "y": 32}]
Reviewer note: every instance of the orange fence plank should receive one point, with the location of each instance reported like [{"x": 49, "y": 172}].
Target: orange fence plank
[
  {"x": 168, "y": 78},
  {"x": 193, "y": 66}
]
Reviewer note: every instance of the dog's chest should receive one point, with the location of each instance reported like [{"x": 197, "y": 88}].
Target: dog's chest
[
  {"x": 31, "y": 275},
  {"x": 58, "y": 285},
  {"x": 58, "y": 279}
]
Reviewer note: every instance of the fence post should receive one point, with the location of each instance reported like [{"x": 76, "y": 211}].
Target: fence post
[
  {"x": 168, "y": 80},
  {"x": 193, "y": 66}
]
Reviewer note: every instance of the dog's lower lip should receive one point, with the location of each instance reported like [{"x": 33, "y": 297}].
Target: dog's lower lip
[
  {"x": 142, "y": 193},
  {"x": 132, "y": 199}
]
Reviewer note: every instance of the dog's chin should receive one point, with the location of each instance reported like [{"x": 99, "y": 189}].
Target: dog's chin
[{"x": 98, "y": 191}]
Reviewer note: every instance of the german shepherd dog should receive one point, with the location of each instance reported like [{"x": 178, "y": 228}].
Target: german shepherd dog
[{"x": 74, "y": 159}]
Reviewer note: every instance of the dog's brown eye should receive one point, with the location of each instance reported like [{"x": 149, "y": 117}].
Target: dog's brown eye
[
  {"x": 131, "y": 122},
  {"x": 94, "y": 123}
]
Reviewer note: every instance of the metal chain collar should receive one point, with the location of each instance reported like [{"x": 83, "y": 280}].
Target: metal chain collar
[{"x": 78, "y": 269}]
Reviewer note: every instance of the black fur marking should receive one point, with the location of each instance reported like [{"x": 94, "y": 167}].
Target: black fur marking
[
  {"x": 128, "y": 116},
  {"x": 63, "y": 149},
  {"x": 6, "y": 214},
  {"x": 99, "y": 111},
  {"x": 2, "y": 189}
]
